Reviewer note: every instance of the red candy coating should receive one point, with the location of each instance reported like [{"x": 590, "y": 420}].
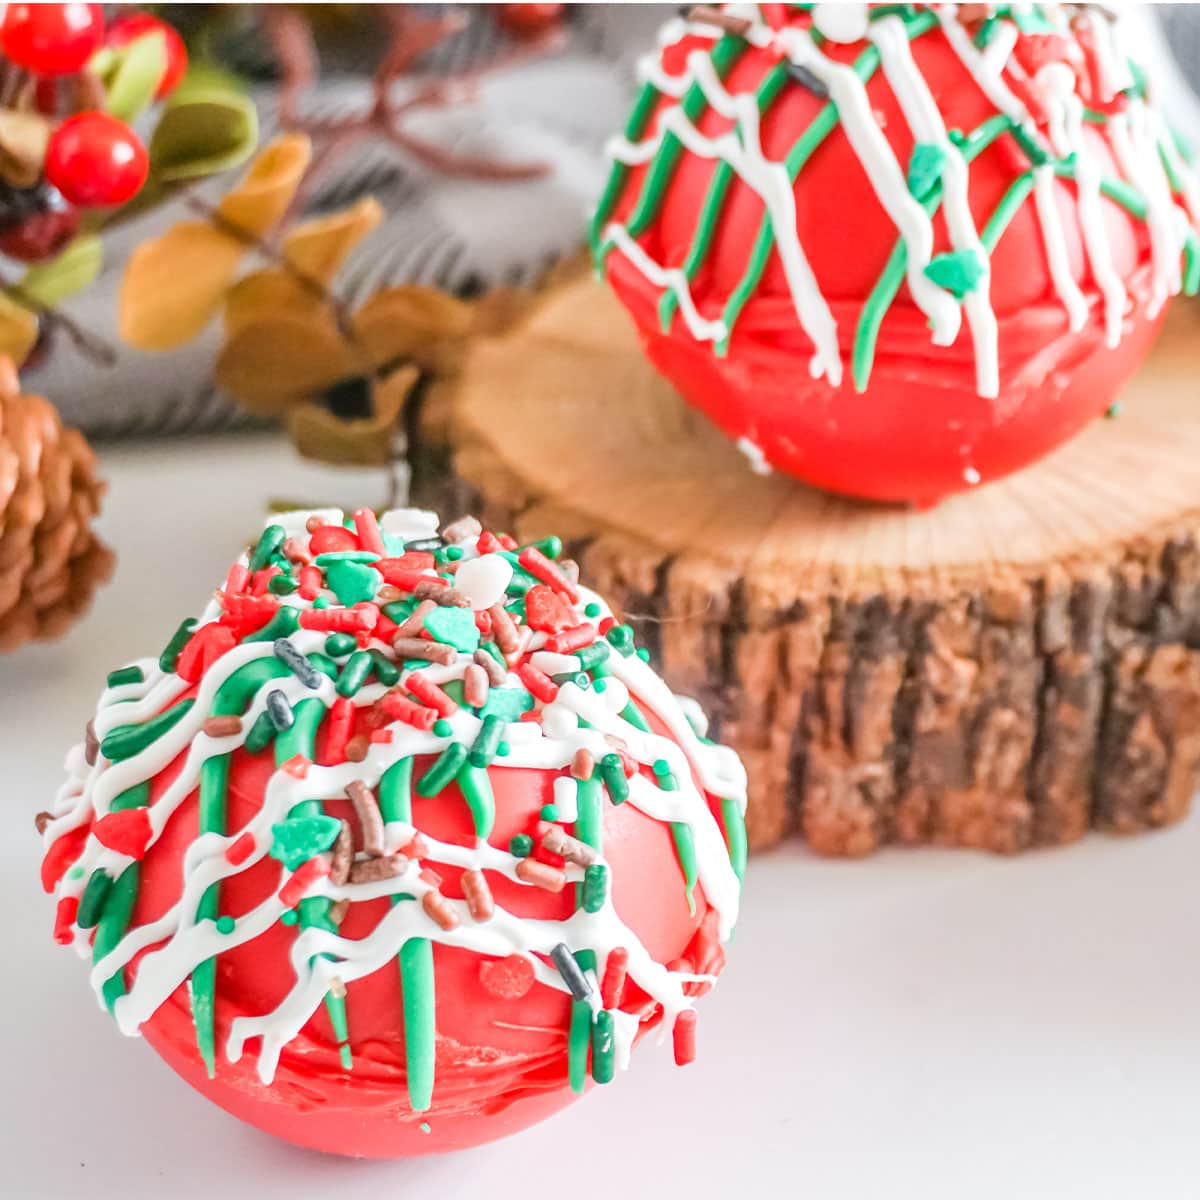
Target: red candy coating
[{"x": 51, "y": 39}]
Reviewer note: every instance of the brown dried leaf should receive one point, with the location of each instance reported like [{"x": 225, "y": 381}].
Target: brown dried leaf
[
  {"x": 262, "y": 294},
  {"x": 318, "y": 434},
  {"x": 266, "y": 190},
  {"x": 23, "y": 140},
  {"x": 173, "y": 285},
  {"x": 319, "y": 247},
  {"x": 421, "y": 323},
  {"x": 275, "y": 362}
]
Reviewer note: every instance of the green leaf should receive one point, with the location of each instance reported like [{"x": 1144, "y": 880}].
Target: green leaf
[
  {"x": 208, "y": 125},
  {"x": 959, "y": 271},
  {"x": 135, "y": 75},
  {"x": 75, "y": 267}
]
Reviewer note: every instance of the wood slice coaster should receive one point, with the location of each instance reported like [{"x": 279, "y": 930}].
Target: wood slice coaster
[{"x": 1008, "y": 669}]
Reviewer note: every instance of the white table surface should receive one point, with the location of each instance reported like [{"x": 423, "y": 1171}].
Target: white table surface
[{"x": 929, "y": 1023}]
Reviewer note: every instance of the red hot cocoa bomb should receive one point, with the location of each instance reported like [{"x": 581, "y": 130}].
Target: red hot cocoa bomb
[
  {"x": 401, "y": 843},
  {"x": 896, "y": 250}
]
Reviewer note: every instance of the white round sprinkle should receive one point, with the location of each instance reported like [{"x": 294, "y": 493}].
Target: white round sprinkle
[
  {"x": 841, "y": 22},
  {"x": 483, "y": 580}
]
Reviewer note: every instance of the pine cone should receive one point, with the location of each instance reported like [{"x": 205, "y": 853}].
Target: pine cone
[{"x": 50, "y": 560}]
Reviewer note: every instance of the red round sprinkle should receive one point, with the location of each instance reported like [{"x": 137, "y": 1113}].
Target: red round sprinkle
[{"x": 507, "y": 978}]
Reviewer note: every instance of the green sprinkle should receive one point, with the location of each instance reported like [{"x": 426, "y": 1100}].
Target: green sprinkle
[
  {"x": 283, "y": 624},
  {"x": 476, "y": 788},
  {"x": 350, "y": 556},
  {"x": 444, "y": 769},
  {"x": 282, "y": 585},
  {"x": 925, "y": 168},
  {"x": 603, "y": 1047},
  {"x": 483, "y": 749},
  {"x": 352, "y": 582},
  {"x": 338, "y": 645},
  {"x": 503, "y": 750},
  {"x": 520, "y": 845},
  {"x": 599, "y": 685},
  {"x": 386, "y": 671},
  {"x": 592, "y": 609},
  {"x": 633, "y": 715},
  {"x": 399, "y": 610},
  {"x": 226, "y": 924},
  {"x": 595, "y": 887},
  {"x": 668, "y": 783},
  {"x": 452, "y": 553},
  {"x": 661, "y": 767},
  {"x": 424, "y": 1127},
  {"x": 442, "y": 727},
  {"x": 643, "y": 653},
  {"x": 290, "y": 917},
  {"x": 261, "y": 732},
  {"x": 685, "y": 850},
  {"x": 958, "y": 271},
  {"x": 454, "y": 627},
  {"x": 272, "y": 538},
  {"x": 75, "y": 873},
  {"x": 91, "y": 903},
  {"x": 551, "y": 547},
  {"x": 126, "y": 675},
  {"x": 354, "y": 673},
  {"x": 296, "y": 840},
  {"x": 170, "y": 655},
  {"x": 621, "y": 638},
  {"x": 127, "y": 740},
  {"x": 111, "y": 929},
  {"x": 612, "y": 771},
  {"x": 507, "y": 703},
  {"x": 549, "y": 812},
  {"x": 592, "y": 656},
  {"x": 322, "y": 601}
]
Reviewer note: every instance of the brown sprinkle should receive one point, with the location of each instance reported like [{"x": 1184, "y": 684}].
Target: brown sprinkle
[
  {"x": 738, "y": 26},
  {"x": 222, "y": 726},
  {"x": 559, "y": 842},
  {"x": 479, "y": 895},
  {"x": 370, "y": 819},
  {"x": 435, "y": 652},
  {"x": 495, "y": 671},
  {"x": 541, "y": 875},
  {"x": 314, "y": 523},
  {"x": 337, "y": 912},
  {"x": 415, "y": 621},
  {"x": 41, "y": 821},
  {"x": 438, "y": 909},
  {"x": 461, "y": 530},
  {"x": 295, "y": 552},
  {"x": 583, "y": 765},
  {"x": 357, "y": 747},
  {"x": 343, "y": 856},
  {"x": 475, "y": 685},
  {"x": 504, "y": 630},
  {"x": 91, "y": 744},
  {"x": 371, "y": 870},
  {"x": 439, "y": 593},
  {"x": 389, "y": 592}
]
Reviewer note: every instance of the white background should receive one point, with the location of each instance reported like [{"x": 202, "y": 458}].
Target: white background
[{"x": 927, "y": 1024}]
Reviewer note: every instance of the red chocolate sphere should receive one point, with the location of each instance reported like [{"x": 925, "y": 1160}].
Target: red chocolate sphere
[
  {"x": 375, "y": 901},
  {"x": 896, "y": 254}
]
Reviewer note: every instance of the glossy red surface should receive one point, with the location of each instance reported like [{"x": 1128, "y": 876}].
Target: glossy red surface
[{"x": 920, "y": 430}]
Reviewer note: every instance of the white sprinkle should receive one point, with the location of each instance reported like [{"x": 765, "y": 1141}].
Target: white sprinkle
[
  {"x": 483, "y": 580},
  {"x": 754, "y": 455}
]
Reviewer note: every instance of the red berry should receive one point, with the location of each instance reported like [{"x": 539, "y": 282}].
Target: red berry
[
  {"x": 528, "y": 20},
  {"x": 52, "y": 39},
  {"x": 96, "y": 161},
  {"x": 129, "y": 29},
  {"x": 41, "y": 235}
]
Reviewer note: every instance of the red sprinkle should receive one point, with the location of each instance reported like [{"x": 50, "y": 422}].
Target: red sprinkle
[
  {"x": 381, "y": 735},
  {"x": 64, "y": 918},
  {"x": 533, "y": 716},
  {"x": 203, "y": 649},
  {"x": 239, "y": 851},
  {"x": 385, "y": 628},
  {"x": 400, "y": 574},
  {"x": 540, "y": 567},
  {"x": 401, "y": 708},
  {"x": 246, "y": 614},
  {"x": 238, "y": 577},
  {"x": 546, "y": 610},
  {"x": 341, "y": 720},
  {"x": 410, "y": 560},
  {"x": 507, "y": 541},
  {"x": 538, "y": 682},
  {"x": 478, "y": 894},
  {"x": 311, "y": 580},
  {"x": 62, "y": 853},
  {"x": 330, "y": 539},
  {"x": 438, "y": 909},
  {"x": 612, "y": 986},
  {"x": 263, "y": 578},
  {"x": 540, "y": 875},
  {"x": 684, "y": 1036},
  {"x": 302, "y": 879},
  {"x": 431, "y": 877},
  {"x": 572, "y": 639},
  {"x": 369, "y": 536},
  {"x": 488, "y": 542},
  {"x": 127, "y": 832},
  {"x": 295, "y": 552},
  {"x": 507, "y": 978},
  {"x": 606, "y": 624},
  {"x": 296, "y": 766},
  {"x": 483, "y": 622},
  {"x": 429, "y": 693},
  {"x": 338, "y": 620}
]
